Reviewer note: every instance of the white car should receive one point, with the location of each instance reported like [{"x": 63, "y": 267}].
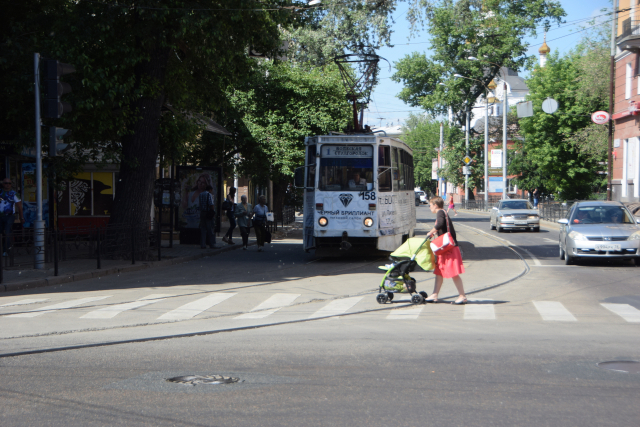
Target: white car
[
  {"x": 514, "y": 214},
  {"x": 423, "y": 196}
]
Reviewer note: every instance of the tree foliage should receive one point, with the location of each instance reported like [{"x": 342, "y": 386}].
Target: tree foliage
[
  {"x": 493, "y": 31},
  {"x": 550, "y": 160}
]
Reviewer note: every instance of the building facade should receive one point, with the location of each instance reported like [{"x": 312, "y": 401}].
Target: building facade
[{"x": 626, "y": 140}]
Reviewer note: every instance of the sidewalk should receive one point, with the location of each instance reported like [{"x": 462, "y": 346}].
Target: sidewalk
[{"x": 83, "y": 269}]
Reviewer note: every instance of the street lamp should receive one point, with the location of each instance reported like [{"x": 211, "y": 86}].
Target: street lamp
[
  {"x": 486, "y": 141},
  {"x": 504, "y": 128},
  {"x": 442, "y": 185}
]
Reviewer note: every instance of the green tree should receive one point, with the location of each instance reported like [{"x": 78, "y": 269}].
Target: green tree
[
  {"x": 133, "y": 60},
  {"x": 549, "y": 160},
  {"x": 491, "y": 30}
]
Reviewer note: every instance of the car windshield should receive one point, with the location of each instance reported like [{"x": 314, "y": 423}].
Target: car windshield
[
  {"x": 515, "y": 204},
  {"x": 601, "y": 215}
]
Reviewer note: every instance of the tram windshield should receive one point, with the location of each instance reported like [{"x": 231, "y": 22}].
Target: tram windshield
[{"x": 346, "y": 168}]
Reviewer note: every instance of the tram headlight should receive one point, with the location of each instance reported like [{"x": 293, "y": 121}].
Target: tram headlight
[
  {"x": 323, "y": 221},
  {"x": 368, "y": 222}
]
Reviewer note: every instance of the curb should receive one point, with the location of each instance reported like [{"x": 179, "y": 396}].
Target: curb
[{"x": 92, "y": 274}]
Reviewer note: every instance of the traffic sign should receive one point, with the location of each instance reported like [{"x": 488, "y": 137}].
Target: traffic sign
[
  {"x": 467, "y": 160},
  {"x": 466, "y": 170},
  {"x": 549, "y": 105}
]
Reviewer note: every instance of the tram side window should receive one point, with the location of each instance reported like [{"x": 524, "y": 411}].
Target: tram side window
[
  {"x": 346, "y": 174},
  {"x": 311, "y": 162},
  {"x": 395, "y": 177},
  {"x": 384, "y": 169}
]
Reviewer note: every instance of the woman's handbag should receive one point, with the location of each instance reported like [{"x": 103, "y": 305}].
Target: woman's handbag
[
  {"x": 444, "y": 243},
  {"x": 269, "y": 216}
]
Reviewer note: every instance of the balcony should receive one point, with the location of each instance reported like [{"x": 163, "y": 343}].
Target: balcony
[{"x": 630, "y": 38}]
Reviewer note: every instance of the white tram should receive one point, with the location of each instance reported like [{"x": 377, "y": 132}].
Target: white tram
[{"x": 358, "y": 192}]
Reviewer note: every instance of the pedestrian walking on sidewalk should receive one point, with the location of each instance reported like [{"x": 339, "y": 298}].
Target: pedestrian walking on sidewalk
[
  {"x": 229, "y": 206},
  {"x": 536, "y": 198},
  {"x": 260, "y": 221},
  {"x": 448, "y": 265},
  {"x": 207, "y": 215},
  {"x": 10, "y": 203},
  {"x": 244, "y": 212},
  {"x": 452, "y": 206}
]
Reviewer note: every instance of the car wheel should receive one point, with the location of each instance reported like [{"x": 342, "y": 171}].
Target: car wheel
[
  {"x": 568, "y": 259},
  {"x": 636, "y": 261},
  {"x": 536, "y": 229},
  {"x": 491, "y": 226},
  {"x": 500, "y": 229},
  {"x": 561, "y": 252}
]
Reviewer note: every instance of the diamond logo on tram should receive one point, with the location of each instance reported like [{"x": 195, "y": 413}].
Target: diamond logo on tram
[{"x": 346, "y": 199}]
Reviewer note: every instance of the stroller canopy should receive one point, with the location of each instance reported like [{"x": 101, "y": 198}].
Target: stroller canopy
[{"x": 420, "y": 247}]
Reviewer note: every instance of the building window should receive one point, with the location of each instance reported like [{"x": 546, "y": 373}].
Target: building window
[{"x": 627, "y": 87}]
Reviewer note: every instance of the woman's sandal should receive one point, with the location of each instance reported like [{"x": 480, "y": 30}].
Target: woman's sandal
[
  {"x": 460, "y": 302},
  {"x": 431, "y": 299}
]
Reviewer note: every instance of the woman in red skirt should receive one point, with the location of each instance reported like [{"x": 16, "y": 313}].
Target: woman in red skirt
[{"x": 448, "y": 265}]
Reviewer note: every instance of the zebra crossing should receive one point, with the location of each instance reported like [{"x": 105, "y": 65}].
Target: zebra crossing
[{"x": 478, "y": 309}]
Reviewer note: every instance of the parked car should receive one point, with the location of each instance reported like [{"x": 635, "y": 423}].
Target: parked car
[
  {"x": 598, "y": 229},
  {"x": 424, "y": 197},
  {"x": 514, "y": 214},
  {"x": 417, "y": 193}
]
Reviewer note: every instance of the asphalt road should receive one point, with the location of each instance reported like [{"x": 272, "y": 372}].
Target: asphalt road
[{"x": 311, "y": 346}]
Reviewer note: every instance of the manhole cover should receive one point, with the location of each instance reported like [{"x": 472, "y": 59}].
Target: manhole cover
[
  {"x": 626, "y": 366},
  {"x": 203, "y": 379}
]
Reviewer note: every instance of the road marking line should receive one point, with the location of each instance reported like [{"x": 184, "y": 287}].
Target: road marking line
[
  {"x": 554, "y": 311},
  {"x": 113, "y": 310},
  {"x": 194, "y": 308},
  {"x": 336, "y": 307},
  {"x": 626, "y": 311},
  {"x": 59, "y": 306},
  {"x": 550, "y": 240},
  {"x": 536, "y": 261},
  {"x": 405, "y": 313},
  {"x": 270, "y": 306},
  {"x": 24, "y": 302},
  {"x": 568, "y": 266},
  {"x": 479, "y": 311}
]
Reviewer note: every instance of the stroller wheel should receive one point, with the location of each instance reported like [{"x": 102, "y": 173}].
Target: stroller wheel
[
  {"x": 390, "y": 295},
  {"x": 382, "y": 298},
  {"x": 424, "y": 294},
  {"x": 417, "y": 299}
]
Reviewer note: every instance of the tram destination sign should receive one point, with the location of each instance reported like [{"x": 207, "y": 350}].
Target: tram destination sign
[{"x": 351, "y": 151}]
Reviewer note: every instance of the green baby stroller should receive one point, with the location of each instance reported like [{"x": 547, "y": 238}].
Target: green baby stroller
[{"x": 397, "y": 278}]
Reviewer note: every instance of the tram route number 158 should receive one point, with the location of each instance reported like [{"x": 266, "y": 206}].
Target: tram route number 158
[{"x": 368, "y": 195}]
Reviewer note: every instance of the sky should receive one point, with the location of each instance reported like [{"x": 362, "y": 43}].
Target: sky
[{"x": 386, "y": 109}]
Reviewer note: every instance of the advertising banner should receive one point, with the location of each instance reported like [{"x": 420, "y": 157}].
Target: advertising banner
[
  {"x": 496, "y": 159},
  {"x": 29, "y": 203},
  {"x": 194, "y": 181}
]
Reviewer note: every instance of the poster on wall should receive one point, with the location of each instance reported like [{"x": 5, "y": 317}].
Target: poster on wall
[
  {"x": 496, "y": 159},
  {"x": 194, "y": 181},
  {"x": 29, "y": 203}
]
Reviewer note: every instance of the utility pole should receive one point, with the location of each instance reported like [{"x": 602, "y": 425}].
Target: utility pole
[
  {"x": 466, "y": 153},
  {"x": 441, "y": 189},
  {"x": 612, "y": 67},
  {"x": 486, "y": 150},
  {"x": 504, "y": 140},
  {"x": 38, "y": 226}
]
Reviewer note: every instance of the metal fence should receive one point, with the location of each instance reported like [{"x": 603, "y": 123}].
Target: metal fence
[
  {"x": 286, "y": 216},
  {"x": 140, "y": 241},
  {"x": 480, "y": 204}
]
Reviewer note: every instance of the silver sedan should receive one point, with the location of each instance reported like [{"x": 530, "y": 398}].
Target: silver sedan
[
  {"x": 514, "y": 214},
  {"x": 599, "y": 230}
]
